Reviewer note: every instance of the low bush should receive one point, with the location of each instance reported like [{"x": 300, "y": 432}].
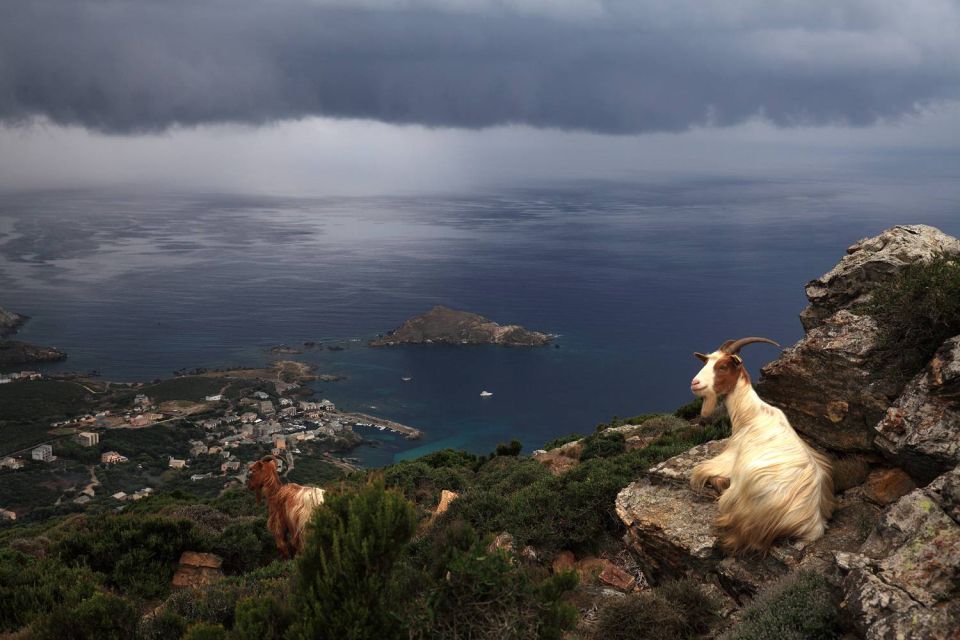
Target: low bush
[
  {"x": 562, "y": 440},
  {"x": 674, "y": 611},
  {"x": 603, "y": 445},
  {"x": 31, "y": 587},
  {"x": 802, "y": 606},
  {"x": 511, "y": 448},
  {"x": 136, "y": 554},
  {"x": 103, "y": 616},
  {"x": 261, "y": 618}
]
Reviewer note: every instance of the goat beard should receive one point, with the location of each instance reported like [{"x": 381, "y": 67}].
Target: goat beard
[{"x": 709, "y": 404}]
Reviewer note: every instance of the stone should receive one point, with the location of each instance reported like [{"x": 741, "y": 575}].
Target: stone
[
  {"x": 617, "y": 578},
  {"x": 555, "y": 462},
  {"x": 921, "y": 431},
  {"x": 869, "y": 264},
  {"x": 196, "y": 569},
  {"x": 669, "y": 525},
  {"x": 446, "y": 498},
  {"x": 905, "y": 580},
  {"x": 670, "y": 530},
  {"x": 832, "y": 384},
  {"x": 884, "y": 486},
  {"x": 945, "y": 491}
]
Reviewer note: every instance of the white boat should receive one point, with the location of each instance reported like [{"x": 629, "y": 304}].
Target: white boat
[
  {"x": 407, "y": 379},
  {"x": 485, "y": 394}
]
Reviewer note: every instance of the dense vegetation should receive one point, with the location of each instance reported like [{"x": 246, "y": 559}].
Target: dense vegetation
[{"x": 378, "y": 563}]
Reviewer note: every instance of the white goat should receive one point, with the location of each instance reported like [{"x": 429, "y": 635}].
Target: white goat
[{"x": 772, "y": 484}]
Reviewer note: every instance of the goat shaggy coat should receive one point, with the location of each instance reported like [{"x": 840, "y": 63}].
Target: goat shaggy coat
[
  {"x": 289, "y": 505},
  {"x": 773, "y": 485}
]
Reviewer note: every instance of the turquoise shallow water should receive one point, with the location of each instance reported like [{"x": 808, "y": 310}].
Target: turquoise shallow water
[{"x": 634, "y": 277}]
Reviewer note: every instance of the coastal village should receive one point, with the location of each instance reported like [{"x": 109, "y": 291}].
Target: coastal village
[{"x": 212, "y": 438}]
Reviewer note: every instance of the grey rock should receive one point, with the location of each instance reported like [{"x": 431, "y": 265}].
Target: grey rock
[
  {"x": 945, "y": 491},
  {"x": 905, "y": 581},
  {"x": 870, "y": 263},
  {"x": 671, "y": 529},
  {"x": 832, "y": 384},
  {"x": 921, "y": 431}
]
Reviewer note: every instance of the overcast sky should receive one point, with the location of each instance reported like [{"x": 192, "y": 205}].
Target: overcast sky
[{"x": 381, "y": 95}]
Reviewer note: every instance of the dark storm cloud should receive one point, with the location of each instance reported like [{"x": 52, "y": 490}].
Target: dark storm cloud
[{"x": 618, "y": 67}]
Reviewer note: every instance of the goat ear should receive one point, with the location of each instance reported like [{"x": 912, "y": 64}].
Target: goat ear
[{"x": 699, "y": 356}]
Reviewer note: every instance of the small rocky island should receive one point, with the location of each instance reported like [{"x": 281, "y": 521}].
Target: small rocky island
[
  {"x": 442, "y": 325},
  {"x": 13, "y": 352},
  {"x": 10, "y": 322}
]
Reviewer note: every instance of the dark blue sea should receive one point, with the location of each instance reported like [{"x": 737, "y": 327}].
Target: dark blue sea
[{"x": 632, "y": 276}]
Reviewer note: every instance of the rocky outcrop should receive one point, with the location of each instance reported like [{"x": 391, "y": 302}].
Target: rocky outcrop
[
  {"x": 891, "y": 550},
  {"x": 671, "y": 529},
  {"x": 14, "y": 353},
  {"x": 837, "y": 383},
  {"x": 10, "y": 322},
  {"x": 442, "y": 325},
  {"x": 871, "y": 263},
  {"x": 904, "y": 582},
  {"x": 921, "y": 431}
]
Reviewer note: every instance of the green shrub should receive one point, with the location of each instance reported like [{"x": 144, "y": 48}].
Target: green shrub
[
  {"x": 802, "y": 606},
  {"x": 163, "y": 625},
  {"x": 562, "y": 440},
  {"x": 675, "y": 610},
  {"x": 103, "y": 616},
  {"x": 30, "y": 587},
  {"x": 205, "y": 631},
  {"x": 690, "y": 410},
  {"x": 603, "y": 445},
  {"x": 511, "y": 448},
  {"x": 483, "y": 596},
  {"x": 244, "y": 546},
  {"x": 137, "y": 554},
  {"x": 572, "y": 511},
  {"x": 261, "y": 618},
  {"x": 345, "y": 588},
  {"x": 217, "y": 603},
  {"x": 918, "y": 309}
]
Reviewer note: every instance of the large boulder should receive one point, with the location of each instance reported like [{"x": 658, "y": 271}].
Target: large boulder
[
  {"x": 832, "y": 384},
  {"x": 921, "y": 431},
  {"x": 870, "y": 263},
  {"x": 671, "y": 531},
  {"x": 837, "y": 383},
  {"x": 905, "y": 580}
]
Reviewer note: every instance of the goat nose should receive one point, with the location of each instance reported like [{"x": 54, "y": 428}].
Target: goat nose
[{"x": 695, "y": 383}]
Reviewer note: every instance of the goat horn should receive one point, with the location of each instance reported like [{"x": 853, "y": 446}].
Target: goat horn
[
  {"x": 733, "y": 347},
  {"x": 269, "y": 456}
]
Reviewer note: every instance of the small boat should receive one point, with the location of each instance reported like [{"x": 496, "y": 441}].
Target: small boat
[
  {"x": 407, "y": 378},
  {"x": 485, "y": 394}
]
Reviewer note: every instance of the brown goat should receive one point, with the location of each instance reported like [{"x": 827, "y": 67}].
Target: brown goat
[{"x": 289, "y": 505}]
